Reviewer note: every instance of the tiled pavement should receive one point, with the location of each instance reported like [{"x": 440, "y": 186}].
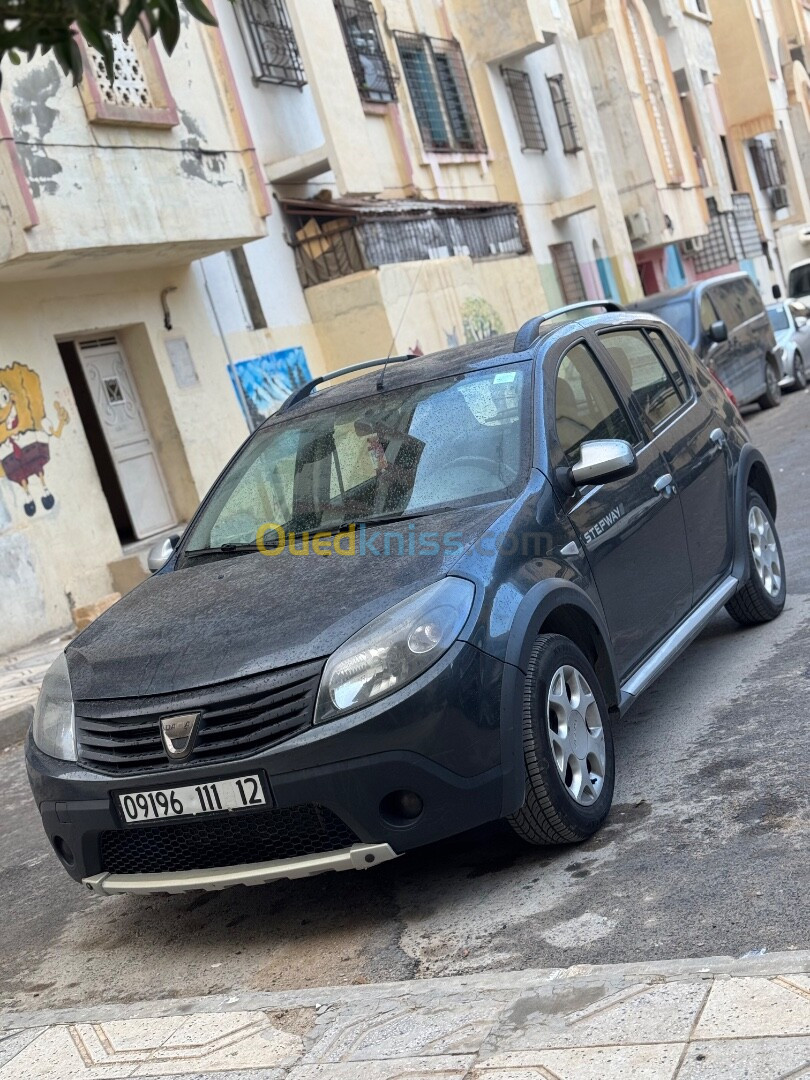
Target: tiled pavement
[{"x": 717, "y": 1019}]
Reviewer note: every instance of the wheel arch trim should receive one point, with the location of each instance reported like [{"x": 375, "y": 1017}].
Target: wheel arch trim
[
  {"x": 752, "y": 471},
  {"x": 535, "y": 611}
]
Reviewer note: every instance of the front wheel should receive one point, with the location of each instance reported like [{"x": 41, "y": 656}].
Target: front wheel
[
  {"x": 773, "y": 391},
  {"x": 567, "y": 746},
  {"x": 799, "y": 372},
  {"x": 762, "y": 597}
]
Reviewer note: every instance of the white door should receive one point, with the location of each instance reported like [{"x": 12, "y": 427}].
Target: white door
[{"x": 128, "y": 437}]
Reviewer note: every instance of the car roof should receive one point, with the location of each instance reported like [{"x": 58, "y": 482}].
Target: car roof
[
  {"x": 457, "y": 360},
  {"x": 657, "y": 300}
]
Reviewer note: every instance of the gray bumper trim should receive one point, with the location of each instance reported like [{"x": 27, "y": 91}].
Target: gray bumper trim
[{"x": 357, "y": 857}]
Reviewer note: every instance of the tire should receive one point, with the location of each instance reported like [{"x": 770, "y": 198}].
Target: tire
[
  {"x": 799, "y": 372},
  {"x": 762, "y": 597},
  {"x": 552, "y": 814},
  {"x": 773, "y": 391}
]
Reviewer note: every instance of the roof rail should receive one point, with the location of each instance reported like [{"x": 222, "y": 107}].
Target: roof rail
[
  {"x": 527, "y": 334},
  {"x": 305, "y": 390}
]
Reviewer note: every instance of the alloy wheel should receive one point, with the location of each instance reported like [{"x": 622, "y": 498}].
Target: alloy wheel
[
  {"x": 766, "y": 554},
  {"x": 576, "y": 735}
]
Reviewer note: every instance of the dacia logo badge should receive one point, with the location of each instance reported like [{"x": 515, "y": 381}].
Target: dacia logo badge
[{"x": 179, "y": 734}]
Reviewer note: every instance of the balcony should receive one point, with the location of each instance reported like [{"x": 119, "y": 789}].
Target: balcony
[
  {"x": 513, "y": 28},
  {"x": 337, "y": 239}
]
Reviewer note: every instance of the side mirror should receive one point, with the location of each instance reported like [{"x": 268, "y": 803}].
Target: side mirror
[
  {"x": 602, "y": 460},
  {"x": 777, "y": 292},
  {"x": 161, "y": 552},
  {"x": 718, "y": 331}
]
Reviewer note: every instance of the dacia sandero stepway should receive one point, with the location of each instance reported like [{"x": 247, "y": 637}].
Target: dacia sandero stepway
[{"x": 414, "y": 601}]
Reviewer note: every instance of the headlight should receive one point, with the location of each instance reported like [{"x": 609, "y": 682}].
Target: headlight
[
  {"x": 394, "y": 648},
  {"x": 53, "y": 728}
]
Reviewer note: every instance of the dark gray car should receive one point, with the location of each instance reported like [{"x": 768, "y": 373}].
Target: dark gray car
[
  {"x": 724, "y": 320},
  {"x": 413, "y": 602}
]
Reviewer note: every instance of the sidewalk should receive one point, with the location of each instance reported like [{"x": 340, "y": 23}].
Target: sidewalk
[
  {"x": 715, "y": 1019},
  {"x": 21, "y": 673}
]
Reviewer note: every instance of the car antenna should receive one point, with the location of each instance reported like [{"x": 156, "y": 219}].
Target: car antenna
[{"x": 411, "y": 356}]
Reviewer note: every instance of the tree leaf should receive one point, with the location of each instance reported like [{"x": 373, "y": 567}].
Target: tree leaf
[
  {"x": 169, "y": 27},
  {"x": 199, "y": 10}
]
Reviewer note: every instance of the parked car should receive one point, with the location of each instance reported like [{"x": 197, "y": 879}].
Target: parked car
[
  {"x": 724, "y": 320},
  {"x": 415, "y": 601},
  {"x": 791, "y": 325},
  {"x": 799, "y": 281}
]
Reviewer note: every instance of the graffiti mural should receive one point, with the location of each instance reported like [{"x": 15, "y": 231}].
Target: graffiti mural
[
  {"x": 25, "y": 431},
  {"x": 267, "y": 380},
  {"x": 480, "y": 319}
]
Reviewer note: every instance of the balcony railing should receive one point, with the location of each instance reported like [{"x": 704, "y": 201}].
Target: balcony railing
[{"x": 328, "y": 248}]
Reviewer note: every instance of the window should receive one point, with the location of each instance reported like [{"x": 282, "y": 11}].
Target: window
[
  {"x": 651, "y": 383},
  {"x": 587, "y": 406},
  {"x": 459, "y": 440},
  {"x": 525, "y": 105},
  {"x": 568, "y": 274},
  {"x": 372, "y": 72},
  {"x": 679, "y": 314},
  {"x": 270, "y": 42},
  {"x": 737, "y": 302},
  {"x": 708, "y": 315},
  {"x": 779, "y": 318},
  {"x": 664, "y": 350},
  {"x": 768, "y": 165},
  {"x": 564, "y": 113},
  {"x": 139, "y": 94},
  {"x": 441, "y": 93},
  {"x": 653, "y": 93},
  {"x": 767, "y": 49}
]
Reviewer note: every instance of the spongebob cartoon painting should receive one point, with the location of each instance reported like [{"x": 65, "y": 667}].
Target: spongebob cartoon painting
[{"x": 25, "y": 432}]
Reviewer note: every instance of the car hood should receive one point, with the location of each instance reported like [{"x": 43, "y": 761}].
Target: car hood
[{"x": 238, "y": 616}]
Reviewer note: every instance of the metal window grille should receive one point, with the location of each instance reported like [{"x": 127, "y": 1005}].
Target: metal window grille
[
  {"x": 441, "y": 94},
  {"x": 768, "y": 165},
  {"x": 566, "y": 267},
  {"x": 564, "y": 113},
  {"x": 731, "y": 237},
  {"x": 524, "y": 103},
  {"x": 131, "y": 88},
  {"x": 333, "y": 248},
  {"x": 372, "y": 72},
  {"x": 270, "y": 42}
]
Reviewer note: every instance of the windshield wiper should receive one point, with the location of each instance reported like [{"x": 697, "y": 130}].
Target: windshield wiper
[
  {"x": 390, "y": 519},
  {"x": 223, "y": 549}
]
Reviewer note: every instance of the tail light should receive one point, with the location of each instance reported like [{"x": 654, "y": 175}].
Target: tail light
[{"x": 724, "y": 388}]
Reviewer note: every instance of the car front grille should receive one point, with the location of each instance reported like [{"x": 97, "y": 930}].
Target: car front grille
[
  {"x": 239, "y": 718},
  {"x": 241, "y": 837}
]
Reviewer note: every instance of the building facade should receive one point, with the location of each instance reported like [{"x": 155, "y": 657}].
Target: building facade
[{"x": 116, "y": 410}]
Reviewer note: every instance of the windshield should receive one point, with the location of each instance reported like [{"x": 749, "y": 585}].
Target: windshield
[
  {"x": 799, "y": 281},
  {"x": 778, "y": 317},
  {"x": 451, "y": 442},
  {"x": 679, "y": 315}
]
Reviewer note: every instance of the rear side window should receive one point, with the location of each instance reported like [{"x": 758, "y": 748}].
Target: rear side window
[
  {"x": 587, "y": 406},
  {"x": 651, "y": 383}
]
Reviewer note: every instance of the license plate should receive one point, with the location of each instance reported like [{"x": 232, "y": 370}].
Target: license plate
[{"x": 240, "y": 793}]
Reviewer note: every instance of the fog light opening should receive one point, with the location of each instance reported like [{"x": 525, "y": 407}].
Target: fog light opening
[
  {"x": 401, "y": 807},
  {"x": 63, "y": 850}
]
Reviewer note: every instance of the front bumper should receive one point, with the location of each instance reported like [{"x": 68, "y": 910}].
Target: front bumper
[
  {"x": 440, "y": 738},
  {"x": 357, "y": 857}
]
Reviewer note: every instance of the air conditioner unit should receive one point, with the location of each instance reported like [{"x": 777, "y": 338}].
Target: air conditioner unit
[
  {"x": 693, "y": 245},
  {"x": 779, "y": 198},
  {"x": 638, "y": 225}
]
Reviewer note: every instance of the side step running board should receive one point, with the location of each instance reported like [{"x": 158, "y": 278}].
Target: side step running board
[{"x": 677, "y": 641}]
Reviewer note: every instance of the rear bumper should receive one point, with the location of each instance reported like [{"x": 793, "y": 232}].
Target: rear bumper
[{"x": 357, "y": 857}]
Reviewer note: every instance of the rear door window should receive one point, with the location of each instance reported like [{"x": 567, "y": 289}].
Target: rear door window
[
  {"x": 587, "y": 405},
  {"x": 652, "y": 385}
]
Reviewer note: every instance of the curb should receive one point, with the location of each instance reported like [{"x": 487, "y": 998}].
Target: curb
[
  {"x": 515, "y": 982},
  {"x": 14, "y": 725}
]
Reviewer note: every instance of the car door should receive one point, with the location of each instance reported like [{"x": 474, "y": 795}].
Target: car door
[
  {"x": 632, "y": 529},
  {"x": 689, "y": 435}
]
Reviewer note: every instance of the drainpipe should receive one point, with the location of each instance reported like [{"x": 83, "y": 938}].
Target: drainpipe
[{"x": 231, "y": 366}]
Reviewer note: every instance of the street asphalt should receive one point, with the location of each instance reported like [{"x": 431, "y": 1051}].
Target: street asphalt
[{"x": 705, "y": 852}]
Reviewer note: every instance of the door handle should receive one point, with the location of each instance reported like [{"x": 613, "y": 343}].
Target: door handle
[
  {"x": 665, "y": 485},
  {"x": 718, "y": 437}
]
